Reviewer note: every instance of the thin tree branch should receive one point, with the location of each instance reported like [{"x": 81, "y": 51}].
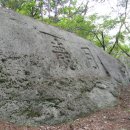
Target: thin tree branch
[
  {"x": 103, "y": 41},
  {"x": 98, "y": 39},
  {"x": 124, "y": 51},
  {"x": 120, "y": 28}
]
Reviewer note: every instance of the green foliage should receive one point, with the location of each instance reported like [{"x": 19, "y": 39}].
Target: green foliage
[
  {"x": 13, "y": 4},
  {"x": 108, "y": 22},
  {"x": 77, "y": 25},
  {"x": 29, "y": 8}
]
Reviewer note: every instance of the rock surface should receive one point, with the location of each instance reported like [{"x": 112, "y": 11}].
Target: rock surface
[{"x": 49, "y": 76}]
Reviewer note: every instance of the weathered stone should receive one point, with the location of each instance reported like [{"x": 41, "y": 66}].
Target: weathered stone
[{"x": 49, "y": 76}]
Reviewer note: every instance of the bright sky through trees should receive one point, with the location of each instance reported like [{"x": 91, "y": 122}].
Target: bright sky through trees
[{"x": 101, "y": 8}]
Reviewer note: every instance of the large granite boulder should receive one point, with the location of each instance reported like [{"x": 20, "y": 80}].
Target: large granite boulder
[{"x": 49, "y": 76}]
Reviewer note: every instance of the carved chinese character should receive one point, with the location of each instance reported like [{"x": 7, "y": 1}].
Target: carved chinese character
[
  {"x": 90, "y": 58},
  {"x": 62, "y": 55}
]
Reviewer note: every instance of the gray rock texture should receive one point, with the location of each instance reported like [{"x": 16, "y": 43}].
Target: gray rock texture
[{"x": 50, "y": 76}]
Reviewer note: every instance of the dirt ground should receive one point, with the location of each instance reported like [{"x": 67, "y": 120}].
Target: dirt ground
[{"x": 117, "y": 118}]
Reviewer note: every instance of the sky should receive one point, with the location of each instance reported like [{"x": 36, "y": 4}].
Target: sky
[
  {"x": 106, "y": 8},
  {"x": 103, "y": 8}
]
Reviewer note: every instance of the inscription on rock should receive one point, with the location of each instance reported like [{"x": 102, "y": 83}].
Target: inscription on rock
[
  {"x": 90, "y": 62},
  {"x": 62, "y": 55},
  {"x": 1, "y": 52}
]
